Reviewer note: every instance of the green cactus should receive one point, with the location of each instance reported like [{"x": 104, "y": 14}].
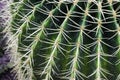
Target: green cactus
[{"x": 66, "y": 39}]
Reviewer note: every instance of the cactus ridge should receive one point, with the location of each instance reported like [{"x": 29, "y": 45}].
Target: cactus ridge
[{"x": 62, "y": 40}]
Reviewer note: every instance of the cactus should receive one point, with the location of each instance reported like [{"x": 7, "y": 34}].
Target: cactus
[
  {"x": 5, "y": 50},
  {"x": 65, "y": 39}
]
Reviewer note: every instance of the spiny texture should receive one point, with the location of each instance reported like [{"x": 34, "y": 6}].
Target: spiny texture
[
  {"x": 5, "y": 65},
  {"x": 66, "y": 39},
  {"x": 4, "y": 59}
]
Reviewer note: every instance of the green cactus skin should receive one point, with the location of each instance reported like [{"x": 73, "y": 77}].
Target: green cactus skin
[{"x": 60, "y": 40}]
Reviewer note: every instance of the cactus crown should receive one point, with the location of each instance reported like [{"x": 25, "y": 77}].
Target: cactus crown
[{"x": 66, "y": 39}]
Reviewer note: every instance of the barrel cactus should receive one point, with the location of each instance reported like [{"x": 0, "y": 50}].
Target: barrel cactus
[{"x": 65, "y": 39}]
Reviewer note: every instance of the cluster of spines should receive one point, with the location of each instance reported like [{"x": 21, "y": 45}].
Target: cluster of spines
[
  {"x": 5, "y": 50},
  {"x": 52, "y": 36}
]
